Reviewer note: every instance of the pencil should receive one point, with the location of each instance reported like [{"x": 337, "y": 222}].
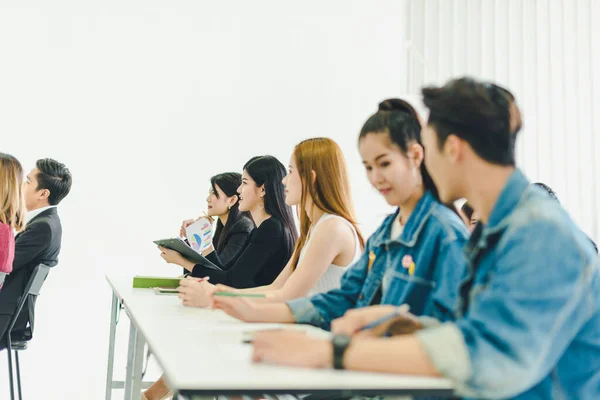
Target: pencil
[{"x": 229, "y": 294}]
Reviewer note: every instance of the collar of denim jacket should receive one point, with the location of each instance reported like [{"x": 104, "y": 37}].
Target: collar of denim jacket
[
  {"x": 413, "y": 226},
  {"x": 506, "y": 203}
]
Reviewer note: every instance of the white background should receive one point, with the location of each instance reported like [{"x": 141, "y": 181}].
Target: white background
[{"x": 144, "y": 101}]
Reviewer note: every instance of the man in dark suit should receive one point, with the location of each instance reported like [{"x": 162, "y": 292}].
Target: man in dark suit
[{"x": 39, "y": 243}]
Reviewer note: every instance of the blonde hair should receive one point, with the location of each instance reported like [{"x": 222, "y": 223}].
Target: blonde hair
[
  {"x": 330, "y": 192},
  {"x": 12, "y": 201}
]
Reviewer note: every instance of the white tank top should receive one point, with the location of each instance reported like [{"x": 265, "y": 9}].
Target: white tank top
[{"x": 333, "y": 274}]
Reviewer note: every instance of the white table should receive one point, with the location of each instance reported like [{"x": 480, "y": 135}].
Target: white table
[{"x": 201, "y": 353}]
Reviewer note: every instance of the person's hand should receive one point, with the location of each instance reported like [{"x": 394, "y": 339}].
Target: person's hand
[
  {"x": 171, "y": 256},
  {"x": 184, "y": 225},
  {"x": 354, "y": 320},
  {"x": 404, "y": 324},
  {"x": 291, "y": 348},
  {"x": 195, "y": 293},
  {"x": 238, "y": 307}
]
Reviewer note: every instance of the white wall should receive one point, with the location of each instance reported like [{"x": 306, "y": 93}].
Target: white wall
[
  {"x": 547, "y": 52},
  {"x": 144, "y": 101}
]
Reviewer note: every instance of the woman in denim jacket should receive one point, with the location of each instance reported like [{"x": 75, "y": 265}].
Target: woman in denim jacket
[{"x": 415, "y": 257}]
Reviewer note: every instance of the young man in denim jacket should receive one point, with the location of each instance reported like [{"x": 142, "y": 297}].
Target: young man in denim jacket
[{"x": 528, "y": 323}]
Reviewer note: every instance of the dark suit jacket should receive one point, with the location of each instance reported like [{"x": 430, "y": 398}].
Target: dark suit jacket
[
  {"x": 38, "y": 244},
  {"x": 235, "y": 240}
]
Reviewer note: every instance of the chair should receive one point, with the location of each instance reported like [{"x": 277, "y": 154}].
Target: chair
[{"x": 32, "y": 290}]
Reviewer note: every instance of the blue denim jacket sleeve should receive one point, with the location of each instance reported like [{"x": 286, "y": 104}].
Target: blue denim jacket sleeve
[
  {"x": 323, "y": 308},
  {"x": 519, "y": 322}
]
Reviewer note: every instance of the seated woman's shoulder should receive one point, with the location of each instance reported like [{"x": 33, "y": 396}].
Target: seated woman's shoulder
[
  {"x": 271, "y": 224},
  {"x": 243, "y": 224},
  {"x": 335, "y": 226},
  {"x": 5, "y": 230}
]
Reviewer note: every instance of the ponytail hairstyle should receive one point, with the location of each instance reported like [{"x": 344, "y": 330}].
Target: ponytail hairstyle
[{"x": 400, "y": 121}]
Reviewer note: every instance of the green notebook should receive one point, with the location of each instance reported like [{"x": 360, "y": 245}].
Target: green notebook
[{"x": 146, "y": 282}]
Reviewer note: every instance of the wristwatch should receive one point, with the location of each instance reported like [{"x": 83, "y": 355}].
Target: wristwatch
[{"x": 340, "y": 344}]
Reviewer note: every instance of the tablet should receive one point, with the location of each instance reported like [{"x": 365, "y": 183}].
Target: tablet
[{"x": 182, "y": 248}]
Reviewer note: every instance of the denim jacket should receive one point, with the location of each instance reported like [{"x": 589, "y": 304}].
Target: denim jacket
[
  {"x": 433, "y": 238},
  {"x": 528, "y": 322}
]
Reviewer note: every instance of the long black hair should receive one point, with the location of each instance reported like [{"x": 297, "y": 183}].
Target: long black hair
[
  {"x": 400, "y": 121},
  {"x": 269, "y": 171},
  {"x": 228, "y": 182}
]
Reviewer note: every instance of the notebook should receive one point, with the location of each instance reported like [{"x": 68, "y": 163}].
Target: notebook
[
  {"x": 147, "y": 282},
  {"x": 180, "y": 246}
]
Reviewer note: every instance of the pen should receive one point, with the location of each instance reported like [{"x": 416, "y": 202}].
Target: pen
[
  {"x": 229, "y": 294},
  {"x": 399, "y": 310}
]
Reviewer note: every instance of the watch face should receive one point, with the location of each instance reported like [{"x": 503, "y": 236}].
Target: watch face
[{"x": 341, "y": 340}]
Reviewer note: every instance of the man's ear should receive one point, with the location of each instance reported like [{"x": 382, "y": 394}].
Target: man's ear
[
  {"x": 44, "y": 194},
  {"x": 454, "y": 148}
]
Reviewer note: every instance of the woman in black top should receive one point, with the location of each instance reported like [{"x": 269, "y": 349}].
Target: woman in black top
[
  {"x": 258, "y": 264},
  {"x": 270, "y": 244},
  {"x": 233, "y": 226}
]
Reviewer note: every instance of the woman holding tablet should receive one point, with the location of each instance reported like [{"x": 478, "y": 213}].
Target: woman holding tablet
[{"x": 233, "y": 225}]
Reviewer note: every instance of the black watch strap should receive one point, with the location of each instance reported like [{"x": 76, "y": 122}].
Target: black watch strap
[{"x": 340, "y": 345}]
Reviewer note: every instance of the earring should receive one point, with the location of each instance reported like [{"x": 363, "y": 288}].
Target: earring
[
  {"x": 262, "y": 204},
  {"x": 229, "y": 207}
]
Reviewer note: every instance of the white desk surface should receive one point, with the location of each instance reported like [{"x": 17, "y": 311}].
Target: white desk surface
[{"x": 201, "y": 351}]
